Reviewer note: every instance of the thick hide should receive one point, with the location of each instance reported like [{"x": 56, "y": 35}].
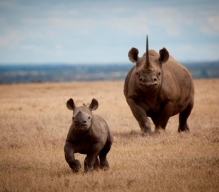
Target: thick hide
[
  {"x": 89, "y": 134},
  {"x": 158, "y": 87}
]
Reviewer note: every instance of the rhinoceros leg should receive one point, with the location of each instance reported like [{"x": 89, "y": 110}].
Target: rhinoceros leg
[
  {"x": 140, "y": 115},
  {"x": 162, "y": 119},
  {"x": 74, "y": 164},
  {"x": 91, "y": 159},
  {"x": 104, "y": 163},
  {"x": 183, "y": 116},
  {"x": 96, "y": 164},
  {"x": 103, "y": 160}
]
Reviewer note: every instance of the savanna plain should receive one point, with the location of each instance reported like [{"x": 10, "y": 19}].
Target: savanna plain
[{"x": 34, "y": 123}]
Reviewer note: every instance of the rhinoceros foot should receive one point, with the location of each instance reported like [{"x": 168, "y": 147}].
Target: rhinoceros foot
[
  {"x": 75, "y": 166},
  {"x": 104, "y": 165}
]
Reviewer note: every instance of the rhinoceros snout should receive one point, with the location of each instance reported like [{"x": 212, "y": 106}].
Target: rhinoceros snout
[
  {"x": 142, "y": 79},
  {"x": 80, "y": 119},
  {"x": 80, "y": 122}
]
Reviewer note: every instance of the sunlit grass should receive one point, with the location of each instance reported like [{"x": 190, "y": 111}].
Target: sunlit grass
[{"x": 34, "y": 122}]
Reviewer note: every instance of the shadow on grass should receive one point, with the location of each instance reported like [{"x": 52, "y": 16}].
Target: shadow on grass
[{"x": 131, "y": 134}]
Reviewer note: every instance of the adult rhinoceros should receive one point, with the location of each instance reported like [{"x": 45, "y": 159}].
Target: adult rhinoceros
[{"x": 158, "y": 87}]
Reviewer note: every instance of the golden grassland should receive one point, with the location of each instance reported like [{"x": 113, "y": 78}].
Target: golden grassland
[{"x": 34, "y": 122}]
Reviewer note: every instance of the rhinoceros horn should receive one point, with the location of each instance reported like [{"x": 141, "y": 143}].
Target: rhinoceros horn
[{"x": 147, "y": 63}]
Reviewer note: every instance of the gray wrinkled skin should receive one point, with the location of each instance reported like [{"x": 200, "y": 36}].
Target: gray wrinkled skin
[
  {"x": 158, "y": 87},
  {"x": 89, "y": 134}
]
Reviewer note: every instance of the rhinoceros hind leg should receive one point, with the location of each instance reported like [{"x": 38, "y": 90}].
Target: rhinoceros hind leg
[
  {"x": 183, "y": 116},
  {"x": 103, "y": 160},
  {"x": 96, "y": 164},
  {"x": 104, "y": 163}
]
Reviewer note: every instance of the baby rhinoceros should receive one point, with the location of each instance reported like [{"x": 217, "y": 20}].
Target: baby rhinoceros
[{"x": 89, "y": 134}]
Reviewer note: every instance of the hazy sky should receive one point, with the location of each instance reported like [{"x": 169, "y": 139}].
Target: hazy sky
[{"x": 85, "y": 31}]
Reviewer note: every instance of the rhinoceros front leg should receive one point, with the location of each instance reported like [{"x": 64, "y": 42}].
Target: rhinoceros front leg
[
  {"x": 91, "y": 159},
  {"x": 96, "y": 164},
  {"x": 140, "y": 115},
  {"x": 74, "y": 164},
  {"x": 163, "y": 117}
]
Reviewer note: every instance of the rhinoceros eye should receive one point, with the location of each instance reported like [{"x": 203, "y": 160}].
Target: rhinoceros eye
[
  {"x": 159, "y": 73},
  {"x": 136, "y": 73},
  {"x": 88, "y": 117}
]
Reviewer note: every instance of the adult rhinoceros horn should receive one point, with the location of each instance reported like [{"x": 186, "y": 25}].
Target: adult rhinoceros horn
[{"x": 147, "y": 64}]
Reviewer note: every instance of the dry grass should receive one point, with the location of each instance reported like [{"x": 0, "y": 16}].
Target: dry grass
[{"x": 34, "y": 123}]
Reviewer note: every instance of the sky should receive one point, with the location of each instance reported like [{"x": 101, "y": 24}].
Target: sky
[{"x": 103, "y": 31}]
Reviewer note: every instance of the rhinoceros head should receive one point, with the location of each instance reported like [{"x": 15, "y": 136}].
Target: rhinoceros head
[
  {"x": 148, "y": 67},
  {"x": 82, "y": 116}
]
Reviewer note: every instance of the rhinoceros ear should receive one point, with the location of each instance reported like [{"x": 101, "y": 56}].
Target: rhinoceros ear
[
  {"x": 70, "y": 104},
  {"x": 133, "y": 55},
  {"x": 164, "y": 55},
  {"x": 94, "y": 105}
]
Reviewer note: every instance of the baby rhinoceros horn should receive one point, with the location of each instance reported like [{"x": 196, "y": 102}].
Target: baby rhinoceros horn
[{"x": 79, "y": 115}]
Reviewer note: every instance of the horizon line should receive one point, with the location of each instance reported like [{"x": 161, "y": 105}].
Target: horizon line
[{"x": 96, "y": 63}]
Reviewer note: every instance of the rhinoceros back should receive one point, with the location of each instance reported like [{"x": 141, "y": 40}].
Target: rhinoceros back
[
  {"x": 181, "y": 75},
  {"x": 183, "y": 83}
]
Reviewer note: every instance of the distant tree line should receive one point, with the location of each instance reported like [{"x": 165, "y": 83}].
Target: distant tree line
[{"x": 62, "y": 73}]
